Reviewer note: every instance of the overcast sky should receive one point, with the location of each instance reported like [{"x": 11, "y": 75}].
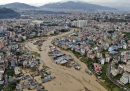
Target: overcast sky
[{"x": 42, "y": 2}]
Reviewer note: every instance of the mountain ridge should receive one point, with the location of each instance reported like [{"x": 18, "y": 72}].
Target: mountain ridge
[
  {"x": 17, "y": 5},
  {"x": 8, "y": 13},
  {"x": 60, "y": 6},
  {"x": 71, "y": 5}
]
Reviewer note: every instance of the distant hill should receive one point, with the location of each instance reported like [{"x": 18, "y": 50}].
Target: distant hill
[
  {"x": 75, "y": 6},
  {"x": 60, "y": 6},
  {"x": 40, "y": 12},
  {"x": 8, "y": 13},
  {"x": 16, "y": 5}
]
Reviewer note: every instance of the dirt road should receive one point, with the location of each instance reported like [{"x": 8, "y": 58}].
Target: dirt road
[{"x": 67, "y": 79}]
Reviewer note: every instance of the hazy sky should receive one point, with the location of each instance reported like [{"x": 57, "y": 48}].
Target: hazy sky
[{"x": 41, "y": 2}]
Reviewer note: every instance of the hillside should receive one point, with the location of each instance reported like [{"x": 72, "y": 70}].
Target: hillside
[
  {"x": 60, "y": 6},
  {"x": 75, "y": 6},
  {"x": 8, "y": 13},
  {"x": 18, "y": 6}
]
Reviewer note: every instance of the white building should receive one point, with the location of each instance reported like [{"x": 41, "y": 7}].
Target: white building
[
  {"x": 125, "y": 78},
  {"x": 80, "y": 23},
  {"x": 17, "y": 70}
]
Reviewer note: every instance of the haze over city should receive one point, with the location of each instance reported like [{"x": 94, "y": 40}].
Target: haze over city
[{"x": 42, "y": 2}]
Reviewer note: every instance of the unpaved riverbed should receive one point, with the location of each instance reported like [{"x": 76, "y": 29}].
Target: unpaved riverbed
[{"x": 67, "y": 79}]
